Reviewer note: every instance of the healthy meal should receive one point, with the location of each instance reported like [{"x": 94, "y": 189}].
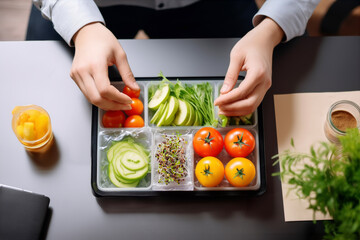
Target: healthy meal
[
  {"x": 222, "y": 149},
  {"x": 129, "y": 162}
]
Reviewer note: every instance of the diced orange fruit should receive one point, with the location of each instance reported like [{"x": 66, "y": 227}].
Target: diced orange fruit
[
  {"x": 33, "y": 115},
  {"x": 32, "y": 125},
  {"x": 20, "y": 130},
  {"x": 29, "y": 131},
  {"x": 41, "y": 124}
]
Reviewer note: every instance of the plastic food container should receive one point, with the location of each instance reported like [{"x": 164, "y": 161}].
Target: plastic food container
[{"x": 150, "y": 136}]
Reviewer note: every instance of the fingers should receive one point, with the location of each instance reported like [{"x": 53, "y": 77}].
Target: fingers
[
  {"x": 253, "y": 78},
  {"x": 88, "y": 87},
  {"x": 105, "y": 89},
  {"x": 232, "y": 74},
  {"x": 124, "y": 68},
  {"x": 245, "y": 106}
]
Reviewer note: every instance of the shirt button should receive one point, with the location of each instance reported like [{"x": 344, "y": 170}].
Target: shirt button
[{"x": 161, "y": 5}]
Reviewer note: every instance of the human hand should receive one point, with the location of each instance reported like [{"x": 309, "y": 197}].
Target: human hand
[
  {"x": 96, "y": 48},
  {"x": 253, "y": 54}
]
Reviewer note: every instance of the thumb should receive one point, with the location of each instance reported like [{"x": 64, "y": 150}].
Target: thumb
[{"x": 123, "y": 66}]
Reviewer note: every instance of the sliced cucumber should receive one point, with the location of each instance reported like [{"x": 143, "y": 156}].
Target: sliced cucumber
[
  {"x": 133, "y": 160},
  {"x": 182, "y": 114},
  {"x": 134, "y": 176},
  {"x": 158, "y": 114},
  {"x": 160, "y": 96},
  {"x": 123, "y": 180},
  {"x": 118, "y": 183},
  {"x": 142, "y": 152},
  {"x": 128, "y": 163},
  {"x": 196, "y": 121},
  {"x": 191, "y": 117},
  {"x": 120, "y": 169},
  {"x": 114, "y": 149},
  {"x": 173, "y": 106},
  {"x": 161, "y": 121}
]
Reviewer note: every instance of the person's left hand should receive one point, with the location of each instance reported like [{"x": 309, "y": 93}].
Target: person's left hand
[{"x": 253, "y": 54}]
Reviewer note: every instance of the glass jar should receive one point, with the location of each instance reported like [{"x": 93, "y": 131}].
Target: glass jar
[{"x": 342, "y": 115}]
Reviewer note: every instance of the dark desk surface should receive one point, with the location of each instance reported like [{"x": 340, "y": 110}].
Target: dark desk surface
[{"x": 38, "y": 73}]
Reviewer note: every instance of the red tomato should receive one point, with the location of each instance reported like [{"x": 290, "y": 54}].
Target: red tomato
[
  {"x": 208, "y": 142},
  {"x": 131, "y": 93},
  {"x": 134, "y": 121},
  {"x": 113, "y": 119},
  {"x": 240, "y": 172},
  {"x": 137, "y": 107},
  {"x": 239, "y": 142}
]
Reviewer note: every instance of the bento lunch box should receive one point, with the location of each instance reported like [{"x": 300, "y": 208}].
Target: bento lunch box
[{"x": 150, "y": 136}]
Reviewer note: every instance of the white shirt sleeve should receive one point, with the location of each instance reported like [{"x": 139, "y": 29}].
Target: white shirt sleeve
[
  {"x": 68, "y": 16},
  {"x": 291, "y": 15}
]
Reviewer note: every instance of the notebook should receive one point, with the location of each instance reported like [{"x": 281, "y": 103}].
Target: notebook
[{"x": 22, "y": 214}]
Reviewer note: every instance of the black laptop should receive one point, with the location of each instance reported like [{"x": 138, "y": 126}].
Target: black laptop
[{"x": 22, "y": 214}]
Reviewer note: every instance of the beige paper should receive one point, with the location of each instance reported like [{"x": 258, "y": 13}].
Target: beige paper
[{"x": 301, "y": 116}]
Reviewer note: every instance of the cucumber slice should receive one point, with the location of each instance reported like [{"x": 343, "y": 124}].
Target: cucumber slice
[
  {"x": 196, "y": 121},
  {"x": 158, "y": 114},
  {"x": 160, "y": 96},
  {"x": 113, "y": 150},
  {"x": 118, "y": 183},
  {"x": 142, "y": 152},
  {"x": 119, "y": 168},
  {"x": 133, "y": 161},
  {"x": 161, "y": 122},
  {"x": 191, "y": 118},
  {"x": 182, "y": 114},
  {"x": 135, "y": 175},
  {"x": 172, "y": 110},
  {"x": 123, "y": 180}
]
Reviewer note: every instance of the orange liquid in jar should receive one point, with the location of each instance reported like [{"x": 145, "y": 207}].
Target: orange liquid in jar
[{"x": 32, "y": 126}]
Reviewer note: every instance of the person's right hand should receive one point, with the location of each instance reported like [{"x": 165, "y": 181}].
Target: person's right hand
[{"x": 96, "y": 48}]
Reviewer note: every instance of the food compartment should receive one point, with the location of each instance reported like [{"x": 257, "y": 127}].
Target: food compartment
[
  {"x": 224, "y": 157},
  {"x": 143, "y": 95},
  {"x": 242, "y": 121},
  {"x": 175, "y": 112},
  {"x": 124, "y": 160},
  {"x": 172, "y": 159}
]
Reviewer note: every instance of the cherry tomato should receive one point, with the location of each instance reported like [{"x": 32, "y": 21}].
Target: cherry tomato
[
  {"x": 208, "y": 142},
  {"x": 209, "y": 171},
  {"x": 239, "y": 142},
  {"x": 113, "y": 119},
  {"x": 137, "y": 107},
  {"x": 134, "y": 121},
  {"x": 240, "y": 172},
  {"x": 131, "y": 93}
]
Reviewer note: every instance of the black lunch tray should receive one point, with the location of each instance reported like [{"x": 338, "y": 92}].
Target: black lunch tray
[{"x": 153, "y": 193}]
